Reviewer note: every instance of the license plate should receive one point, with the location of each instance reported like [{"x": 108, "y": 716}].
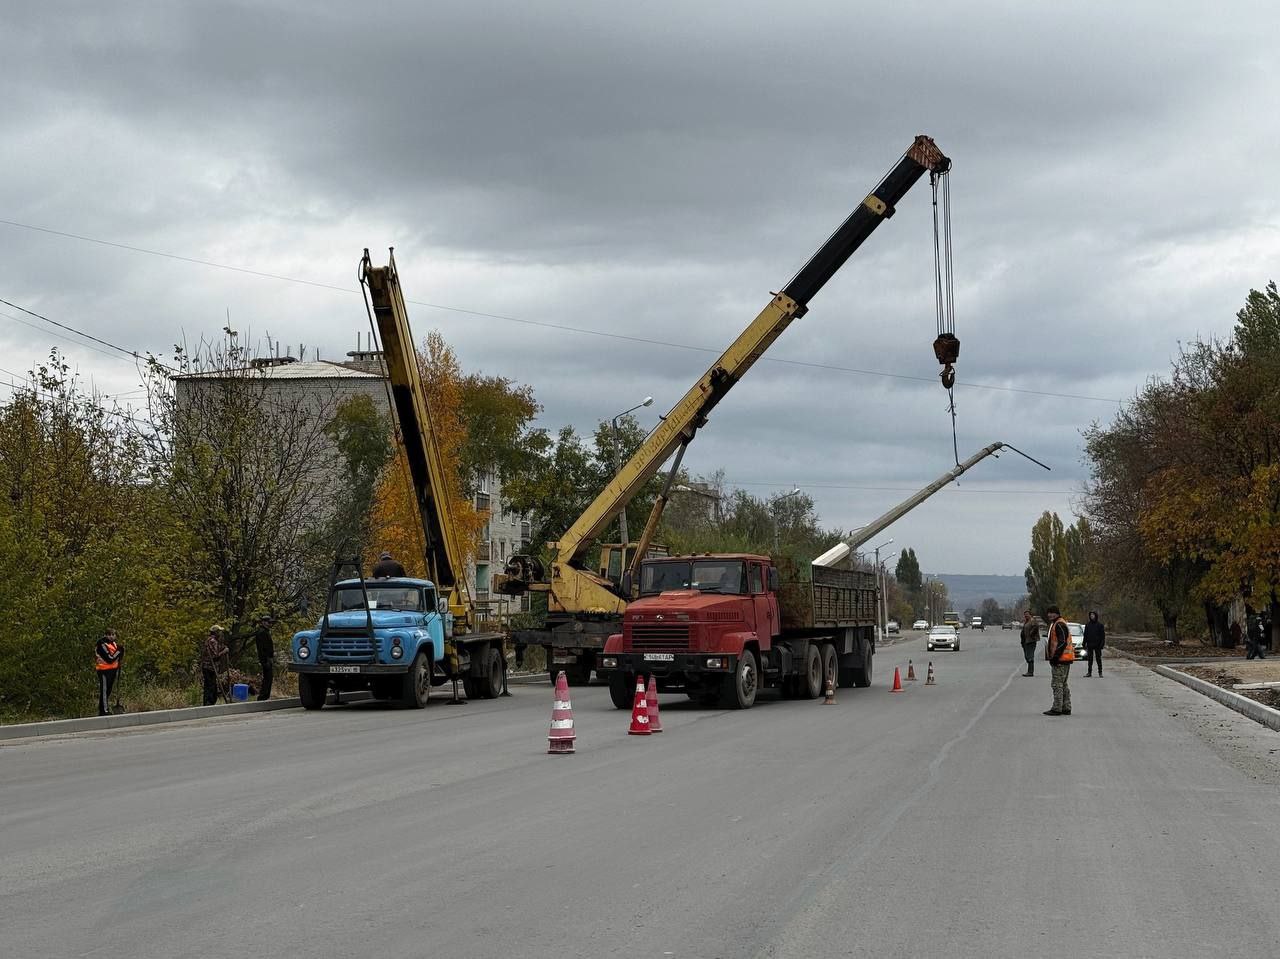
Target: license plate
[
  {"x": 659, "y": 657},
  {"x": 344, "y": 669}
]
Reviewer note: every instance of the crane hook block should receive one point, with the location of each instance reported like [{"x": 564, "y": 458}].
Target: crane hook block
[{"x": 947, "y": 349}]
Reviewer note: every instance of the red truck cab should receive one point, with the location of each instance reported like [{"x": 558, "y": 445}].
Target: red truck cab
[{"x": 702, "y": 623}]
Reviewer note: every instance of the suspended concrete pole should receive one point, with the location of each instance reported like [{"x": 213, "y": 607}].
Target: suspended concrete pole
[{"x": 838, "y": 552}]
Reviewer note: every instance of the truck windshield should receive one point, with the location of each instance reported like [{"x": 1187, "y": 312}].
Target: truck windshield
[
  {"x": 709, "y": 576},
  {"x": 380, "y": 597}
]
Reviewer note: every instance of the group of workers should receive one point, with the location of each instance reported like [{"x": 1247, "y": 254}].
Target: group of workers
[
  {"x": 214, "y": 654},
  {"x": 1060, "y": 651}
]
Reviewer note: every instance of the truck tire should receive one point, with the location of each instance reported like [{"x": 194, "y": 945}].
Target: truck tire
[
  {"x": 862, "y": 674},
  {"x": 415, "y": 685},
  {"x": 810, "y": 681},
  {"x": 489, "y": 685},
  {"x": 830, "y": 666},
  {"x": 312, "y": 690},
  {"x": 471, "y": 687},
  {"x": 622, "y": 690},
  {"x": 740, "y": 687}
]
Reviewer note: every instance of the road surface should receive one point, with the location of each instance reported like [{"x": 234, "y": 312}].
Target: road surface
[{"x": 952, "y": 820}]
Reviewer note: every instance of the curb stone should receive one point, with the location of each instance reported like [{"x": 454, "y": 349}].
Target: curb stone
[{"x": 1251, "y": 708}]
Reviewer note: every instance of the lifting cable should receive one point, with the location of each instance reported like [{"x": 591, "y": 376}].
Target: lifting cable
[{"x": 946, "y": 347}]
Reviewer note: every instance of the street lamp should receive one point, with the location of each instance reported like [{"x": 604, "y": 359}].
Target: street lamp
[
  {"x": 617, "y": 462},
  {"x": 884, "y": 582},
  {"x": 785, "y": 496},
  {"x": 880, "y": 613}
]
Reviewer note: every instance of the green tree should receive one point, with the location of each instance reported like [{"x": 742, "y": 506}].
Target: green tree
[
  {"x": 907, "y": 572},
  {"x": 1046, "y": 573}
]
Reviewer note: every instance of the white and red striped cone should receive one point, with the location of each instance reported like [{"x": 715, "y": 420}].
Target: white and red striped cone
[
  {"x": 651, "y": 706},
  {"x": 911, "y": 672},
  {"x": 640, "y": 711},
  {"x": 562, "y": 735},
  {"x": 929, "y": 680},
  {"x": 830, "y": 698}
]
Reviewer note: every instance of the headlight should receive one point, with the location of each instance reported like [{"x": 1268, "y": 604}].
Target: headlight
[
  {"x": 609, "y": 662},
  {"x": 715, "y": 664},
  {"x": 303, "y": 652},
  {"x": 396, "y": 652}
]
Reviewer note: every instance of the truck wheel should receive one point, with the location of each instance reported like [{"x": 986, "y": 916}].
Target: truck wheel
[
  {"x": 810, "y": 681},
  {"x": 312, "y": 690},
  {"x": 862, "y": 675},
  {"x": 415, "y": 688},
  {"x": 489, "y": 686},
  {"x": 471, "y": 686},
  {"x": 740, "y": 688},
  {"x": 830, "y": 666},
  {"x": 622, "y": 690}
]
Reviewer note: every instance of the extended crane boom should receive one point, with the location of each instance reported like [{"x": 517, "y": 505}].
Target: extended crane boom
[
  {"x": 577, "y": 592},
  {"x": 444, "y": 554}
]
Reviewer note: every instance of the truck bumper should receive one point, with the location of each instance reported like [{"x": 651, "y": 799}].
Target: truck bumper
[
  {"x": 658, "y": 664},
  {"x": 345, "y": 669}
]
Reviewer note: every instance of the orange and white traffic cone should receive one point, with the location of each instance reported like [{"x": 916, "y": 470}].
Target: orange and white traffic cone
[
  {"x": 651, "y": 706},
  {"x": 911, "y": 672},
  {"x": 640, "y": 712},
  {"x": 562, "y": 735},
  {"x": 929, "y": 680},
  {"x": 897, "y": 680},
  {"x": 830, "y": 698}
]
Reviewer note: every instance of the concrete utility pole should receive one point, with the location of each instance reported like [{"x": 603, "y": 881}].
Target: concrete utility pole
[
  {"x": 880, "y": 610},
  {"x": 838, "y": 552}
]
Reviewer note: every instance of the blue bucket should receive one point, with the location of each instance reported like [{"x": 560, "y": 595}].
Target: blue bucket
[{"x": 240, "y": 693}]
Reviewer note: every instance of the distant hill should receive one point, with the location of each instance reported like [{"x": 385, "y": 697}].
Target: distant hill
[{"x": 966, "y": 590}]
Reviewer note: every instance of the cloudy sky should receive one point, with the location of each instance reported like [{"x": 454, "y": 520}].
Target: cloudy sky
[{"x": 556, "y": 175}]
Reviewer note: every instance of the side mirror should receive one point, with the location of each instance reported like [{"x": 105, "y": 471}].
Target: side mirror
[
  {"x": 775, "y": 581},
  {"x": 442, "y": 607},
  {"x": 625, "y": 587}
]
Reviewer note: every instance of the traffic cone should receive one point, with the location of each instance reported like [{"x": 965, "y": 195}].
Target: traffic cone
[
  {"x": 929, "y": 680},
  {"x": 640, "y": 712},
  {"x": 897, "y": 680},
  {"x": 830, "y": 699},
  {"x": 911, "y": 672},
  {"x": 562, "y": 735},
  {"x": 651, "y": 707}
]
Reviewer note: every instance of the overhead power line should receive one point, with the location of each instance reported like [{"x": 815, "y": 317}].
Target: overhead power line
[{"x": 562, "y": 327}]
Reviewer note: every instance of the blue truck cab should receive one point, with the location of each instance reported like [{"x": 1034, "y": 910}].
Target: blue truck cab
[{"x": 384, "y": 635}]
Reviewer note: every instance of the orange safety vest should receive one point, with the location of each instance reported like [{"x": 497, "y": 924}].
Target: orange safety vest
[
  {"x": 104, "y": 664},
  {"x": 1068, "y": 654}
]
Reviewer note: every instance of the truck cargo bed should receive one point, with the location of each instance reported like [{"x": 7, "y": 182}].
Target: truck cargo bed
[{"x": 820, "y": 598}]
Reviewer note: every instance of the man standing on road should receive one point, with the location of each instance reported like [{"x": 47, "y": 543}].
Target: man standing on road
[
  {"x": 386, "y": 566},
  {"x": 1060, "y": 653},
  {"x": 107, "y": 655},
  {"x": 1095, "y": 637},
  {"x": 266, "y": 655},
  {"x": 211, "y": 651},
  {"x": 1030, "y": 640}
]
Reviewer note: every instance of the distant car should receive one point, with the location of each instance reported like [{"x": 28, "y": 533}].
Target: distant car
[
  {"x": 975, "y": 623},
  {"x": 892, "y": 626},
  {"x": 1077, "y": 637},
  {"x": 943, "y": 637},
  {"x": 920, "y": 624},
  {"x": 1008, "y": 625}
]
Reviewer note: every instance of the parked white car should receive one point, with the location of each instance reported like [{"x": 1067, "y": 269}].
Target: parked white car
[{"x": 943, "y": 637}]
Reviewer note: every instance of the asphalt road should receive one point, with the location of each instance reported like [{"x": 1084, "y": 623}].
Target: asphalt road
[{"x": 952, "y": 820}]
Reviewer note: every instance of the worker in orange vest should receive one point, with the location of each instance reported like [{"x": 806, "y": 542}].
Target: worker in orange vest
[
  {"x": 1061, "y": 654},
  {"x": 108, "y": 655}
]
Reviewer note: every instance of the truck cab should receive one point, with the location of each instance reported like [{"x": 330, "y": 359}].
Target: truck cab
[{"x": 384, "y": 635}]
